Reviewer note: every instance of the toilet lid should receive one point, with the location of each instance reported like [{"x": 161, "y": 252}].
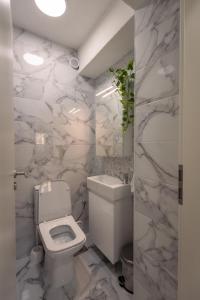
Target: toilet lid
[
  {"x": 54, "y": 200},
  {"x": 50, "y": 244}
]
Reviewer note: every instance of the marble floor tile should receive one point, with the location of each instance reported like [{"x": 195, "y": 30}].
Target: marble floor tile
[
  {"x": 103, "y": 279},
  {"x": 95, "y": 280}
]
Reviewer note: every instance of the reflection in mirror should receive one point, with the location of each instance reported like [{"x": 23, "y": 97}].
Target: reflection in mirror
[{"x": 110, "y": 139}]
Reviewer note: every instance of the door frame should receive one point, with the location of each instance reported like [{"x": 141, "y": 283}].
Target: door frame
[
  {"x": 7, "y": 203},
  {"x": 189, "y": 152}
]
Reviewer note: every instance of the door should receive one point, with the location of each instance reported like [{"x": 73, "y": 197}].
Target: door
[
  {"x": 7, "y": 208},
  {"x": 189, "y": 256}
]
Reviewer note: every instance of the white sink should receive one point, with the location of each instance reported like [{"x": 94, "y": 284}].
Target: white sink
[{"x": 108, "y": 187}]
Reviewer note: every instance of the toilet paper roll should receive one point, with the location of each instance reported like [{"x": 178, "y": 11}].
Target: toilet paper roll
[{"x": 36, "y": 255}]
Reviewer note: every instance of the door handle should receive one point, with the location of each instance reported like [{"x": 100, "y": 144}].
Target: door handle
[
  {"x": 18, "y": 173},
  {"x": 15, "y": 174}
]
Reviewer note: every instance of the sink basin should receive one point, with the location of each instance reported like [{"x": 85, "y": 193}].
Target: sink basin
[{"x": 108, "y": 187}]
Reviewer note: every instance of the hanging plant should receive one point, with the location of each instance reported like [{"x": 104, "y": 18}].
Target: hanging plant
[{"x": 124, "y": 82}]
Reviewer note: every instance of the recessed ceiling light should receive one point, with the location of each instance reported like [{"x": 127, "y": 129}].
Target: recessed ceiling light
[
  {"x": 52, "y": 8},
  {"x": 33, "y": 59}
]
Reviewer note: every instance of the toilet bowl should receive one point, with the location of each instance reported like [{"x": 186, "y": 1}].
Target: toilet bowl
[{"x": 59, "y": 233}]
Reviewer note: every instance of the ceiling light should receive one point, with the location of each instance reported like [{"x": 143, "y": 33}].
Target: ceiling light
[
  {"x": 77, "y": 110},
  {"x": 33, "y": 59},
  {"x": 74, "y": 110},
  {"x": 52, "y": 8},
  {"x": 103, "y": 91},
  {"x": 111, "y": 92}
]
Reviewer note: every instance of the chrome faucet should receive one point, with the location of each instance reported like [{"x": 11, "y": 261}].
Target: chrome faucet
[{"x": 125, "y": 178}]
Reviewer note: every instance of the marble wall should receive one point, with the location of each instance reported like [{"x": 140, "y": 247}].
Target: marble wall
[
  {"x": 156, "y": 150},
  {"x": 114, "y": 152},
  {"x": 54, "y": 123}
]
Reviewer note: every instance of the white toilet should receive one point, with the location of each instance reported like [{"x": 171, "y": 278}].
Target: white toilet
[{"x": 61, "y": 236}]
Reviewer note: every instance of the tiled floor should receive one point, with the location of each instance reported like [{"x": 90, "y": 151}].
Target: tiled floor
[{"x": 96, "y": 280}]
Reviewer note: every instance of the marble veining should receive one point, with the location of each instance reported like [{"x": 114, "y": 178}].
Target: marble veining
[
  {"x": 156, "y": 150},
  {"x": 157, "y": 201},
  {"x": 54, "y": 128},
  {"x": 157, "y": 212},
  {"x": 95, "y": 280},
  {"x": 157, "y": 161},
  {"x": 156, "y": 51},
  {"x": 157, "y": 121}
]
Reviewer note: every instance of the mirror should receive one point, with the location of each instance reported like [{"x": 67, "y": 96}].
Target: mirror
[{"x": 110, "y": 139}]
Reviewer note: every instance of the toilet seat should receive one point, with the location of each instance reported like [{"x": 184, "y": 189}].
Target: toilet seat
[{"x": 50, "y": 244}]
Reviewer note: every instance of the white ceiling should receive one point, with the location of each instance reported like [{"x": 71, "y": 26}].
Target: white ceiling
[
  {"x": 70, "y": 30},
  {"x": 115, "y": 49}
]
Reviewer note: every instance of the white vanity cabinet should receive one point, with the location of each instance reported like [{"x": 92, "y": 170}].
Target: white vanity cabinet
[{"x": 110, "y": 215}]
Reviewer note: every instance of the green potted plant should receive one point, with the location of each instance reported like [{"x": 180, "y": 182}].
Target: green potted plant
[{"x": 124, "y": 81}]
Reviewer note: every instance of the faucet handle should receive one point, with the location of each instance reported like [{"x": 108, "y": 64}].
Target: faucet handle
[{"x": 125, "y": 178}]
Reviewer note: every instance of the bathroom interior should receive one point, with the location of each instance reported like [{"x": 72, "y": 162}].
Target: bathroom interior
[{"x": 96, "y": 180}]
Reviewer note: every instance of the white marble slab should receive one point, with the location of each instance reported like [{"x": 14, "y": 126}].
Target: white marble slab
[
  {"x": 159, "y": 202},
  {"x": 156, "y": 150},
  {"x": 159, "y": 80},
  {"x": 155, "y": 251},
  {"x": 156, "y": 51},
  {"x": 157, "y": 161},
  {"x": 157, "y": 121}
]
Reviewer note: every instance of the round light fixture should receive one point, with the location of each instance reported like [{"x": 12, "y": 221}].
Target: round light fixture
[
  {"x": 33, "y": 59},
  {"x": 52, "y": 8}
]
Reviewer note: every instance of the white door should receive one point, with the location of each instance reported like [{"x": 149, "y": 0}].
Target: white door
[
  {"x": 189, "y": 256},
  {"x": 7, "y": 207}
]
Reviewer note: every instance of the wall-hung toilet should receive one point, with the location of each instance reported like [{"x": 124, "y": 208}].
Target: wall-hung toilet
[{"x": 61, "y": 236}]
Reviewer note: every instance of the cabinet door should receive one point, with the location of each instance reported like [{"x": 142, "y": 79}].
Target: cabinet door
[{"x": 101, "y": 216}]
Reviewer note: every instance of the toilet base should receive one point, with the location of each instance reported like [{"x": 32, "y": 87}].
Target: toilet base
[{"x": 58, "y": 270}]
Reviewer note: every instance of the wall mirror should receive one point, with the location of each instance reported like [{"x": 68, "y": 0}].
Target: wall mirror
[{"x": 110, "y": 139}]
